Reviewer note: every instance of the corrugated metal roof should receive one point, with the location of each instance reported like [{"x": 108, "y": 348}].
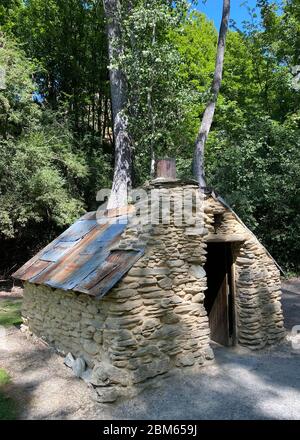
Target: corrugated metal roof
[{"x": 84, "y": 258}]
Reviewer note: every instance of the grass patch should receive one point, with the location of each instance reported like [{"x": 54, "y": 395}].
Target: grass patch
[
  {"x": 8, "y": 409},
  {"x": 10, "y": 313}
]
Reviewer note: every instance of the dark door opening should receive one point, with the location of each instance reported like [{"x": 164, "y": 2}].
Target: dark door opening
[{"x": 219, "y": 297}]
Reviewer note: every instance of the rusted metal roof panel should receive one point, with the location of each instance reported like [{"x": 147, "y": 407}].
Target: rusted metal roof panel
[
  {"x": 78, "y": 230},
  {"x": 63, "y": 265},
  {"x": 35, "y": 268},
  {"x": 57, "y": 251},
  {"x": 82, "y": 258},
  {"x": 117, "y": 263}
]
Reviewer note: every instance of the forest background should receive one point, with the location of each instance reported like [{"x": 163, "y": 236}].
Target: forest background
[{"x": 56, "y": 139}]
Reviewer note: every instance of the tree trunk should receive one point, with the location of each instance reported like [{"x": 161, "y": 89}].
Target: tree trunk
[
  {"x": 122, "y": 179},
  {"x": 198, "y": 163},
  {"x": 150, "y": 113}
]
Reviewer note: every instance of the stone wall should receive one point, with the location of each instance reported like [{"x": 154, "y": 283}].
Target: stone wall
[
  {"x": 154, "y": 319},
  {"x": 68, "y": 321}
]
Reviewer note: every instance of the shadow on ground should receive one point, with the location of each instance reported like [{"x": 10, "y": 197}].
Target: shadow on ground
[{"x": 240, "y": 384}]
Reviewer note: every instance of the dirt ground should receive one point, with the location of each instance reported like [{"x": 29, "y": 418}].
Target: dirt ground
[
  {"x": 10, "y": 291},
  {"x": 240, "y": 384}
]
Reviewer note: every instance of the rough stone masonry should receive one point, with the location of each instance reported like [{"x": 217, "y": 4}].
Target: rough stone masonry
[{"x": 154, "y": 319}]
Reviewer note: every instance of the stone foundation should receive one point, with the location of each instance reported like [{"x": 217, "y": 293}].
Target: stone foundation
[{"x": 154, "y": 320}]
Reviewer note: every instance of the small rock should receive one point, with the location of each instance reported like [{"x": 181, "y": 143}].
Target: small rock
[
  {"x": 170, "y": 318},
  {"x": 106, "y": 374},
  {"x": 208, "y": 353},
  {"x": 197, "y": 271},
  {"x": 165, "y": 283},
  {"x": 200, "y": 360},
  {"x": 87, "y": 375},
  {"x": 155, "y": 368},
  {"x": 23, "y": 328},
  {"x": 272, "y": 307},
  {"x": 91, "y": 347},
  {"x": 185, "y": 360},
  {"x": 98, "y": 337},
  {"x": 176, "y": 263},
  {"x": 149, "y": 350},
  {"x": 78, "y": 367},
  {"x": 106, "y": 395},
  {"x": 167, "y": 331},
  {"x": 198, "y": 298},
  {"x": 69, "y": 360}
]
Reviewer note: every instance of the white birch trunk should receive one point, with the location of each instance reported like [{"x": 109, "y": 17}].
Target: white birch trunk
[{"x": 122, "y": 179}]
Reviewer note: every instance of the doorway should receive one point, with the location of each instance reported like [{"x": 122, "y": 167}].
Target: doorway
[{"x": 219, "y": 296}]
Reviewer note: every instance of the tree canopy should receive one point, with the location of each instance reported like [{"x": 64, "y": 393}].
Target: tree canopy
[{"x": 56, "y": 134}]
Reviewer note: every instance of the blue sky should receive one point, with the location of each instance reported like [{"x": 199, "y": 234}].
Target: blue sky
[{"x": 239, "y": 12}]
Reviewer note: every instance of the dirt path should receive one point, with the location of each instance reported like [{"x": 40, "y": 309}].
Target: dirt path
[
  {"x": 239, "y": 385},
  {"x": 9, "y": 291}
]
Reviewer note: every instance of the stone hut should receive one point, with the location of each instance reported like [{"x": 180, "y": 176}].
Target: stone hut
[{"x": 134, "y": 299}]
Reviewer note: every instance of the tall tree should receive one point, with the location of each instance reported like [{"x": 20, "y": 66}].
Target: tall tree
[
  {"x": 159, "y": 95},
  {"x": 122, "y": 179},
  {"x": 211, "y": 106}
]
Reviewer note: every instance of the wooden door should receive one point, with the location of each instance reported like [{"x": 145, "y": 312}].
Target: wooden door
[{"x": 218, "y": 317}]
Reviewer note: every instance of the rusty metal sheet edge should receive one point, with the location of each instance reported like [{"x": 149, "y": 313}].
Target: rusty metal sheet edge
[
  {"x": 100, "y": 289},
  {"x": 58, "y": 266}
]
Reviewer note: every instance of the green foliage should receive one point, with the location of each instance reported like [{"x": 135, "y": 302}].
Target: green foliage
[
  {"x": 38, "y": 181},
  {"x": 260, "y": 180},
  {"x": 7, "y": 9},
  {"x": 56, "y": 155},
  {"x": 10, "y": 313},
  {"x": 253, "y": 151},
  {"x": 4, "y": 377},
  {"x": 158, "y": 96},
  {"x": 68, "y": 39},
  {"x": 18, "y": 112},
  {"x": 7, "y": 405},
  {"x": 39, "y": 171},
  {"x": 252, "y": 154},
  {"x": 196, "y": 41}
]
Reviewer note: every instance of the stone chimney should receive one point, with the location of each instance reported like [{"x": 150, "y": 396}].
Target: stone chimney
[{"x": 165, "y": 169}]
